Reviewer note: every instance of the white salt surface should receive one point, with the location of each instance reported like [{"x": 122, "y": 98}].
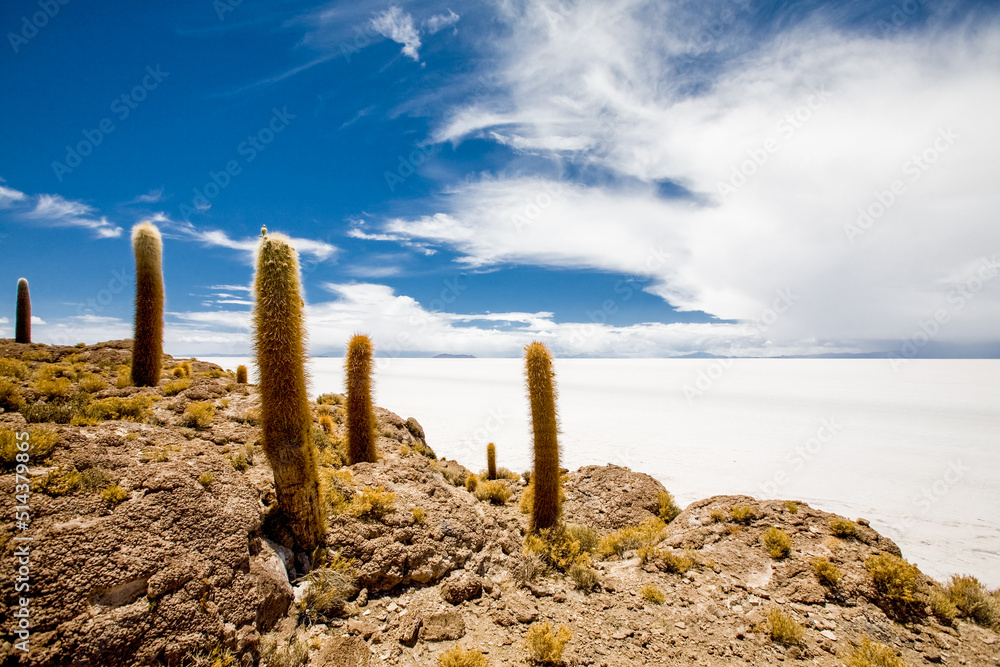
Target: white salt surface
[{"x": 916, "y": 450}]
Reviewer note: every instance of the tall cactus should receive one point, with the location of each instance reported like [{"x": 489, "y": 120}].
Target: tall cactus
[
  {"x": 22, "y": 328},
  {"x": 147, "y": 339},
  {"x": 544, "y": 424},
  {"x": 360, "y": 416},
  {"x": 491, "y": 461},
  {"x": 279, "y": 345}
]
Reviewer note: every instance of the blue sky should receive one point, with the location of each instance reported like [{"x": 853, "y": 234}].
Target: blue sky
[{"x": 617, "y": 178}]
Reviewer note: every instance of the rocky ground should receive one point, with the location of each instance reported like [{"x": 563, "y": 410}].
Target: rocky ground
[{"x": 154, "y": 543}]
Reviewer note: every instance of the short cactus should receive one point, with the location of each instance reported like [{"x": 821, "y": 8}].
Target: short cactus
[
  {"x": 360, "y": 415},
  {"x": 491, "y": 461},
  {"x": 147, "y": 340},
  {"x": 22, "y": 330},
  {"x": 545, "y": 426},
  {"x": 241, "y": 374},
  {"x": 286, "y": 420}
]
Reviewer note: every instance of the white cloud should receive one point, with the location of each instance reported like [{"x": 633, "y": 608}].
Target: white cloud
[
  {"x": 37, "y": 320},
  {"x": 151, "y": 197},
  {"x": 59, "y": 212},
  {"x": 440, "y": 22},
  {"x": 843, "y": 116},
  {"x": 397, "y": 25},
  {"x": 9, "y": 195}
]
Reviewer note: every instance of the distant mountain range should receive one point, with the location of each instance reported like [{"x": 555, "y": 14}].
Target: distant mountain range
[{"x": 454, "y": 356}]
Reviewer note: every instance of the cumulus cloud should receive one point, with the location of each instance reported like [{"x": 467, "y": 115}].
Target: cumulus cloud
[{"x": 784, "y": 160}]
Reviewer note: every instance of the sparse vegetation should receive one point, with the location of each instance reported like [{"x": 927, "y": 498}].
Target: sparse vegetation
[
  {"x": 57, "y": 482},
  {"x": 718, "y": 516},
  {"x": 667, "y": 508},
  {"x": 743, "y": 514},
  {"x": 791, "y": 506},
  {"x": 942, "y": 606},
  {"x": 783, "y": 629},
  {"x": 419, "y": 515},
  {"x": 842, "y": 527},
  {"x": 326, "y": 423},
  {"x": 206, "y": 478},
  {"x": 587, "y": 536},
  {"x": 546, "y": 646},
  {"x": 372, "y": 503},
  {"x": 456, "y": 656},
  {"x": 277, "y": 653},
  {"x": 777, "y": 542},
  {"x": 647, "y": 534},
  {"x": 92, "y": 383},
  {"x": 973, "y": 601},
  {"x": 129, "y": 409},
  {"x": 496, "y": 492},
  {"x": 584, "y": 577},
  {"x": 327, "y": 594},
  {"x": 199, "y": 415},
  {"x": 828, "y": 574},
  {"x": 175, "y": 387},
  {"x": 53, "y": 388},
  {"x": 651, "y": 593},
  {"x": 873, "y": 654}
]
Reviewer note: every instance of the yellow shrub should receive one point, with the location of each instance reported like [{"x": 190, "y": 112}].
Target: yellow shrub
[
  {"x": 496, "y": 492},
  {"x": 471, "y": 482},
  {"x": 456, "y": 656},
  {"x": 791, "y": 506},
  {"x": 893, "y": 577},
  {"x": 584, "y": 576},
  {"x": 54, "y": 387},
  {"x": 326, "y": 424},
  {"x": 199, "y": 415},
  {"x": 11, "y": 399},
  {"x": 783, "y": 629},
  {"x": 743, "y": 514},
  {"x": 419, "y": 515},
  {"x": 205, "y": 479},
  {"x": 667, "y": 508},
  {"x": 13, "y": 368},
  {"x": 827, "y": 573},
  {"x": 92, "y": 383},
  {"x": 942, "y": 605},
  {"x": 556, "y": 547},
  {"x": 129, "y": 409},
  {"x": 777, "y": 541},
  {"x": 646, "y": 534},
  {"x": 124, "y": 377},
  {"x": 873, "y": 654},
  {"x": 175, "y": 387},
  {"x": 372, "y": 503},
  {"x": 841, "y": 527},
  {"x": 41, "y": 441},
  {"x": 57, "y": 482},
  {"x": 973, "y": 601},
  {"x": 114, "y": 494},
  {"x": 718, "y": 516},
  {"x": 651, "y": 593},
  {"x": 587, "y": 536},
  {"x": 545, "y": 646}
]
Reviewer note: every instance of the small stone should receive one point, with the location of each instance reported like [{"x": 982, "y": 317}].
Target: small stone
[
  {"x": 681, "y": 625},
  {"x": 933, "y": 657},
  {"x": 794, "y": 653},
  {"x": 829, "y": 634},
  {"x": 362, "y": 597},
  {"x": 392, "y": 607},
  {"x": 862, "y": 522},
  {"x": 446, "y": 626}
]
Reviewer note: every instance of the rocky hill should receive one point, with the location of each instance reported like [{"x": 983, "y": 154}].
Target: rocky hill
[{"x": 153, "y": 542}]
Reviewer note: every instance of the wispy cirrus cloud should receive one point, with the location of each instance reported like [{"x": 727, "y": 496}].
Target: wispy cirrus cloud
[
  {"x": 318, "y": 250},
  {"x": 55, "y": 211}
]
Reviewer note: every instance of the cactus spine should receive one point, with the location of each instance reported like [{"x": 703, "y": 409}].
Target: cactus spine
[
  {"x": 360, "y": 416},
  {"x": 241, "y": 374},
  {"x": 22, "y": 330},
  {"x": 542, "y": 396},
  {"x": 147, "y": 339},
  {"x": 491, "y": 461},
  {"x": 279, "y": 346}
]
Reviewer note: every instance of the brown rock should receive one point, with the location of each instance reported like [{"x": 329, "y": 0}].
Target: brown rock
[
  {"x": 610, "y": 497},
  {"x": 409, "y": 630},
  {"x": 343, "y": 652},
  {"x": 465, "y": 586},
  {"x": 445, "y": 626}
]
